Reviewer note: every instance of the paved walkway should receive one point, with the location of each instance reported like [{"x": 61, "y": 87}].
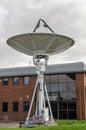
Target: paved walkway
[{"x": 9, "y": 125}]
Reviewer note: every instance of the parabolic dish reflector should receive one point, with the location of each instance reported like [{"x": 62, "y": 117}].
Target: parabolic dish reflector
[{"x": 40, "y": 43}]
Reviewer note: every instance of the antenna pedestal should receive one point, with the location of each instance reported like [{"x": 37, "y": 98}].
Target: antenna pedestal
[{"x": 43, "y": 115}]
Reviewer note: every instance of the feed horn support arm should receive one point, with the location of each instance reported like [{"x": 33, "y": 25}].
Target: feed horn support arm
[{"x": 45, "y": 25}]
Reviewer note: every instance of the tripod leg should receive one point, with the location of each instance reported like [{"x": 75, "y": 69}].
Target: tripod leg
[
  {"x": 32, "y": 102},
  {"x": 51, "y": 115}
]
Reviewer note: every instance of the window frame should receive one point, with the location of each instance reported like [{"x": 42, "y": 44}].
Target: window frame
[
  {"x": 14, "y": 108},
  {"x": 5, "y": 82},
  {"x": 4, "y": 106},
  {"x": 15, "y": 83},
  {"x": 26, "y": 79},
  {"x": 25, "y": 107}
]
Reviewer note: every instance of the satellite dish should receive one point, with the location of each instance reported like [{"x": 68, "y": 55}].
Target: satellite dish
[
  {"x": 40, "y": 43},
  {"x": 40, "y": 46}
]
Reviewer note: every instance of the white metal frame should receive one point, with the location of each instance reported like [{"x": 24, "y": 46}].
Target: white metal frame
[{"x": 41, "y": 91}]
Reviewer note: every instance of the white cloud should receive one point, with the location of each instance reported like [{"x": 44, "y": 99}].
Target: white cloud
[{"x": 65, "y": 17}]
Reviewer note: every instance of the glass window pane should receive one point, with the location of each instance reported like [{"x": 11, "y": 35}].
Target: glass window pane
[
  {"x": 70, "y": 77},
  {"x": 72, "y": 114},
  {"x": 71, "y": 86},
  {"x": 54, "y": 109},
  {"x": 71, "y": 106},
  {"x": 62, "y": 87},
  {"x": 62, "y": 96},
  {"x": 62, "y": 78},
  {"x": 63, "y": 106},
  {"x": 26, "y": 106},
  {"x": 15, "y": 106},
  {"x": 71, "y": 95},
  {"x": 54, "y": 87},
  {"x": 26, "y": 80},
  {"x": 53, "y": 79},
  {"x": 53, "y": 96},
  {"x": 5, "y": 81},
  {"x": 63, "y": 114},
  {"x": 16, "y": 81},
  {"x": 4, "y": 106}
]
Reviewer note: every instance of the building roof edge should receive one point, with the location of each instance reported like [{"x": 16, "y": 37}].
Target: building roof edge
[{"x": 50, "y": 69}]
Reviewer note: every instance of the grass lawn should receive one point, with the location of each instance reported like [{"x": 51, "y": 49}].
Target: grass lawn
[{"x": 62, "y": 125}]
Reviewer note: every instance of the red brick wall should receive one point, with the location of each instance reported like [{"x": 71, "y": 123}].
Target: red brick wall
[
  {"x": 13, "y": 93},
  {"x": 81, "y": 95}
]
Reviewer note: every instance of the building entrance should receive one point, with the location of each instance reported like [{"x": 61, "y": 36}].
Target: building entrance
[
  {"x": 62, "y": 95},
  {"x": 64, "y": 110}
]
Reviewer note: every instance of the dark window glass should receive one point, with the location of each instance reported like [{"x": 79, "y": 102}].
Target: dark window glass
[
  {"x": 63, "y": 114},
  {"x": 63, "y": 106},
  {"x": 70, "y": 77},
  {"x": 26, "y": 80},
  {"x": 5, "y": 106},
  {"x": 54, "y": 107},
  {"x": 16, "y": 81},
  {"x": 15, "y": 106},
  {"x": 71, "y": 106},
  {"x": 72, "y": 114},
  {"x": 5, "y": 81},
  {"x": 26, "y": 106},
  {"x": 62, "y": 91}
]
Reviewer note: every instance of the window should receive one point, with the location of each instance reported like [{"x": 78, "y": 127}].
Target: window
[
  {"x": 71, "y": 95},
  {"x": 54, "y": 87},
  {"x": 71, "y": 77},
  {"x": 63, "y": 106},
  {"x": 26, "y": 106},
  {"x": 5, "y": 81},
  {"x": 5, "y": 106},
  {"x": 15, "y": 106},
  {"x": 54, "y": 79},
  {"x": 47, "y": 79},
  {"x": 62, "y": 87},
  {"x": 16, "y": 81},
  {"x": 62, "y": 94},
  {"x": 26, "y": 80},
  {"x": 62, "y": 78},
  {"x": 71, "y": 87}
]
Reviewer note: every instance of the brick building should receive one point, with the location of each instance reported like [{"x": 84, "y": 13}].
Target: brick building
[{"x": 66, "y": 86}]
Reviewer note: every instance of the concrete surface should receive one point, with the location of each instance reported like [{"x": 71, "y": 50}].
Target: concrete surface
[{"x": 9, "y": 125}]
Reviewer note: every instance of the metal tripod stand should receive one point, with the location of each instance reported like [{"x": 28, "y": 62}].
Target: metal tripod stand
[{"x": 42, "y": 115}]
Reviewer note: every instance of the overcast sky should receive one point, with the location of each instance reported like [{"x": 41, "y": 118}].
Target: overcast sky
[{"x": 65, "y": 17}]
